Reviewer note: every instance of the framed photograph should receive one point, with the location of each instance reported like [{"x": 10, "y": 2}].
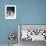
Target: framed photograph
[
  {"x": 10, "y": 12},
  {"x": 31, "y": 32}
]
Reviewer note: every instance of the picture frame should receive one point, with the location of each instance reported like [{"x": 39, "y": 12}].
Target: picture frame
[
  {"x": 10, "y": 11},
  {"x": 36, "y": 32}
]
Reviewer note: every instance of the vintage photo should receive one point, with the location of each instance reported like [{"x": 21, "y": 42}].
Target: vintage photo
[
  {"x": 32, "y": 32},
  {"x": 29, "y": 35},
  {"x": 10, "y": 12}
]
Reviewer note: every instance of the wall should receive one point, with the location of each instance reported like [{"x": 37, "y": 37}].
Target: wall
[
  {"x": 6, "y": 26},
  {"x": 27, "y": 12},
  {"x": 31, "y": 11}
]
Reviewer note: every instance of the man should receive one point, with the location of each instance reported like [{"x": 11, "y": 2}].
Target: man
[{"x": 10, "y": 11}]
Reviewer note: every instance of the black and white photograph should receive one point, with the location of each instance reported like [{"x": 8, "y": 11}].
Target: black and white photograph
[
  {"x": 31, "y": 34},
  {"x": 10, "y": 12}
]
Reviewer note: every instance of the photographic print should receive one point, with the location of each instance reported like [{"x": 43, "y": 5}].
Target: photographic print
[
  {"x": 32, "y": 32},
  {"x": 10, "y": 12}
]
